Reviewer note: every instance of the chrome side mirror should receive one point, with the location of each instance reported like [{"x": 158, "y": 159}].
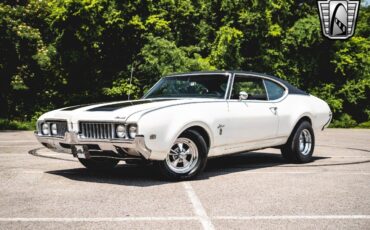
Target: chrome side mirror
[{"x": 243, "y": 95}]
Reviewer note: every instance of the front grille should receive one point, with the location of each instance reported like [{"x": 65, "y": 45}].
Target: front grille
[{"x": 96, "y": 130}]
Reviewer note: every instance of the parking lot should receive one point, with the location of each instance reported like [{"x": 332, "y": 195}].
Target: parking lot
[{"x": 258, "y": 190}]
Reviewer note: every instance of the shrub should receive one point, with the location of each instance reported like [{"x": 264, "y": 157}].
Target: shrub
[
  {"x": 16, "y": 125},
  {"x": 365, "y": 125},
  {"x": 344, "y": 121}
]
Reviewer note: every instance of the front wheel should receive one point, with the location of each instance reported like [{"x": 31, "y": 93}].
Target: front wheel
[
  {"x": 187, "y": 157},
  {"x": 300, "y": 145},
  {"x": 99, "y": 163}
]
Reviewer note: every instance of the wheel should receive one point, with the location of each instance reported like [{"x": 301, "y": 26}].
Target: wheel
[
  {"x": 300, "y": 145},
  {"x": 99, "y": 163},
  {"x": 187, "y": 157}
]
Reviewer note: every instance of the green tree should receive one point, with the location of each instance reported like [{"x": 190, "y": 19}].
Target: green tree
[{"x": 63, "y": 52}]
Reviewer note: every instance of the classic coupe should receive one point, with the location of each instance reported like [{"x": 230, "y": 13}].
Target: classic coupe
[{"x": 186, "y": 118}]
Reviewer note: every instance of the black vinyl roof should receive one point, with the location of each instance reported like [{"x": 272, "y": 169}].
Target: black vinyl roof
[{"x": 292, "y": 89}]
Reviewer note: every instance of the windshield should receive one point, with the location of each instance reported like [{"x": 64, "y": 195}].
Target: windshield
[{"x": 193, "y": 86}]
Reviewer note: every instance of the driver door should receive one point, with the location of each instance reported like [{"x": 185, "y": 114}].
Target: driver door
[{"x": 253, "y": 120}]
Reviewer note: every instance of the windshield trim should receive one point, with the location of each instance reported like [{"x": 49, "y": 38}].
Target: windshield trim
[{"x": 194, "y": 74}]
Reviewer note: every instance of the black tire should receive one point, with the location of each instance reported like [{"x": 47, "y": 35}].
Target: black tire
[
  {"x": 291, "y": 150},
  {"x": 198, "y": 167},
  {"x": 99, "y": 163}
]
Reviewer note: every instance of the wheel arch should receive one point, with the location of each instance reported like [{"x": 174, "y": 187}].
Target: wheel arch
[
  {"x": 202, "y": 129},
  {"x": 304, "y": 117}
]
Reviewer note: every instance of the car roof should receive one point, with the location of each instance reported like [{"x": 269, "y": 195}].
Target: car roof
[{"x": 292, "y": 89}]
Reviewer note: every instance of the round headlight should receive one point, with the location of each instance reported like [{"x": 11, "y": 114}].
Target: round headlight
[
  {"x": 45, "y": 129},
  {"x": 132, "y": 131},
  {"x": 120, "y": 131},
  {"x": 54, "y": 130}
]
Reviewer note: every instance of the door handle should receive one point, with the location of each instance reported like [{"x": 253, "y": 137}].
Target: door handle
[{"x": 274, "y": 110}]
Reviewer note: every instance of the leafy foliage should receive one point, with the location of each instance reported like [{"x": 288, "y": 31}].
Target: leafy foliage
[
  {"x": 16, "y": 125},
  {"x": 344, "y": 120},
  {"x": 63, "y": 52}
]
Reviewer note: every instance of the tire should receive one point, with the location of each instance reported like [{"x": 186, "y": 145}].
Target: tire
[
  {"x": 99, "y": 163},
  {"x": 191, "y": 157},
  {"x": 300, "y": 145}
]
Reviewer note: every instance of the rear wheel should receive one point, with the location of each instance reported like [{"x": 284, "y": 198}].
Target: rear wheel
[
  {"x": 300, "y": 145},
  {"x": 99, "y": 163},
  {"x": 187, "y": 157}
]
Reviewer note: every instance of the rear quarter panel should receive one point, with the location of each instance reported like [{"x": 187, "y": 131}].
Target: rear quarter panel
[{"x": 295, "y": 107}]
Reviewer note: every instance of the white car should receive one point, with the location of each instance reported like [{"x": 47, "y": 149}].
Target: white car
[{"x": 186, "y": 118}]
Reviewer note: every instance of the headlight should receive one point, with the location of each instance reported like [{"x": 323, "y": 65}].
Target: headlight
[
  {"x": 132, "y": 131},
  {"x": 45, "y": 129},
  {"x": 120, "y": 131},
  {"x": 54, "y": 130}
]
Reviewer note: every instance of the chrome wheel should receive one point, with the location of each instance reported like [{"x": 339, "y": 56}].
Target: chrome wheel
[
  {"x": 305, "y": 142},
  {"x": 183, "y": 156}
]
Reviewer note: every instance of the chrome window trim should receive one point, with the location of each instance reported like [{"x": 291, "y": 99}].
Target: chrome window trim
[
  {"x": 229, "y": 81},
  {"x": 267, "y": 92},
  {"x": 231, "y": 86},
  {"x": 194, "y": 74},
  {"x": 151, "y": 89},
  {"x": 286, "y": 92}
]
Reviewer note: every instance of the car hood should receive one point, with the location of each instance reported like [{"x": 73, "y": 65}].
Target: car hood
[{"x": 114, "y": 111}]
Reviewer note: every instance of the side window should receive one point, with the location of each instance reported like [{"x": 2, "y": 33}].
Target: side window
[
  {"x": 274, "y": 90},
  {"x": 253, "y": 86}
]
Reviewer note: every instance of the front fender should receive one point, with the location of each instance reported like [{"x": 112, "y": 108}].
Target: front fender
[
  {"x": 161, "y": 127},
  {"x": 201, "y": 124}
]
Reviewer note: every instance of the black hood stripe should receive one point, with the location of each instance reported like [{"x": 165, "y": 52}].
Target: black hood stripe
[
  {"x": 121, "y": 105},
  {"x": 71, "y": 108}
]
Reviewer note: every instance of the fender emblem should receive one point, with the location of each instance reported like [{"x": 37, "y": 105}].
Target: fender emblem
[{"x": 220, "y": 126}]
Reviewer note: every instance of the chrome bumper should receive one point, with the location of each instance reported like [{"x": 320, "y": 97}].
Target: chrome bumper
[{"x": 135, "y": 146}]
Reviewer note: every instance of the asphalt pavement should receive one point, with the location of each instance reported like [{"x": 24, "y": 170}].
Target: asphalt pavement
[{"x": 257, "y": 190}]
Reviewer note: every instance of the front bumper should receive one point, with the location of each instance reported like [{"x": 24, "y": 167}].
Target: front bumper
[{"x": 135, "y": 147}]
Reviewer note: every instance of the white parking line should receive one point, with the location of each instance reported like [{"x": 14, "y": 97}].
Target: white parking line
[
  {"x": 346, "y": 156},
  {"x": 103, "y": 219},
  {"x": 181, "y": 218},
  {"x": 26, "y": 153},
  {"x": 18, "y": 141},
  {"x": 314, "y": 217},
  {"x": 274, "y": 172},
  {"x": 198, "y": 207},
  {"x": 302, "y": 172}
]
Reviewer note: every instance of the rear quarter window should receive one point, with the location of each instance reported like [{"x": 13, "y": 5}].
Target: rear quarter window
[{"x": 274, "y": 90}]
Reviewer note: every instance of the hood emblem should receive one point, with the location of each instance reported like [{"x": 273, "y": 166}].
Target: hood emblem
[{"x": 118, "y": 117}]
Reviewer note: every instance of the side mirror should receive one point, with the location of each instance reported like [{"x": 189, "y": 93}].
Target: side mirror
[{"x": 243, "y": 95}]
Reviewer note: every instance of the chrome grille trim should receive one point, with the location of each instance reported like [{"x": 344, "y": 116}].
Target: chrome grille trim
[{"x": 97, "y": 130}]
